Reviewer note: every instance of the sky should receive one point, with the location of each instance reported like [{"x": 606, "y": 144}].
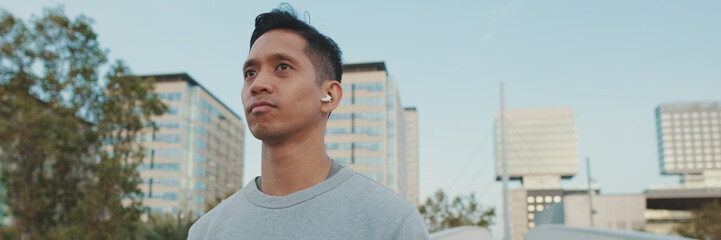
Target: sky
[{"x": 612, "y": 61}]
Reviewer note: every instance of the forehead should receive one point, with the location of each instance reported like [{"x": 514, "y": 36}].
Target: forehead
[{"x": 278, "y": 42}]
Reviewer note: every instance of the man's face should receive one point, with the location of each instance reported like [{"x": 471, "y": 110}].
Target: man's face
[{"x": 280, "y": 94}]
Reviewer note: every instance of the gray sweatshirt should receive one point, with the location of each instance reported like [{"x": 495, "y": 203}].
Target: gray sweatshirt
[{"x": 345, "y": 206}]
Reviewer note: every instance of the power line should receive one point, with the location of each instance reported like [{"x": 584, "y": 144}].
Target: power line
[{"x": 470, "y": 159}]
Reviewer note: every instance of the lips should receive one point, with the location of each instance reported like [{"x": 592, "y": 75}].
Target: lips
[{"x": 260, "y": 106}]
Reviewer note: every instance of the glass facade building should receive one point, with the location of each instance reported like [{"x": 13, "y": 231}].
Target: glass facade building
[
  {"x": 367, "y": 131},
  {"x": 196, "y": 156},
  {"x": 689, "y": 138}
]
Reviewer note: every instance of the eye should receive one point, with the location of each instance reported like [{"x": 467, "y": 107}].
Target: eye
[
  {"x": 249, "y": 73},
  {"x": 283, "y": 66}
]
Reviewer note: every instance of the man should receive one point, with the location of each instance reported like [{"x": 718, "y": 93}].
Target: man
[{"x": 292, "y": 83}]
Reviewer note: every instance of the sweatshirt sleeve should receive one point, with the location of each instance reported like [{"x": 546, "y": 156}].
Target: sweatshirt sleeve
[{"x": 412, "y": 227}]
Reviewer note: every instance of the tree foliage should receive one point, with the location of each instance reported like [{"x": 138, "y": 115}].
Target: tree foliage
[
  {"x": 68, "y": 147},
  {"x": 210, "y": 205},
  {"x": 440, "y": 212},
  {"x": 167, "y": 227},
  {"x": 705, "y": 223}
]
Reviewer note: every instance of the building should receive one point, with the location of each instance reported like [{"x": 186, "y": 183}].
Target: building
[
  {"x": 541, "y": 147},
  {"x": 560, "y": 232},
  {"x": 367, "y": 131},
  {"x": 689, "y": 142},
  {"x": 541, "y": 150},
  {"x": 412, "y": 179},
  {"x": 526, "y": 204},
  {"x": 196, "y": 156},
  {"x": 619, "y": 212}
]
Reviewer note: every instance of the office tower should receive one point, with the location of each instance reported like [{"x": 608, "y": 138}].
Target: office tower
[
  {"x": 689, "y": 141},
  {"x": 412, "y": 179},
  {"x": 196, "y": 156},
  {"x": 541, "y": 149},
  {"x": 367, "y": 130},
  {"x": 541, "y": 146}
]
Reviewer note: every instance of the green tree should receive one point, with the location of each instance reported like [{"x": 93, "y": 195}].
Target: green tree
[
  {"x": 441, "y": 213},
  {"x": 210, "y": 205},
  {"x": 68, "y": 140},
  {"x": 704, "y": 223},
  {"x": 167, "y": 227}
]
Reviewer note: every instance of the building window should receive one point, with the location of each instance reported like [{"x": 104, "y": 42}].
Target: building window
[
  {"x": 371, "y": 86},
  {"x": 166, "y": 181},
  {"x": 203, "y": 117},
  {"x": 199, "y": 185},
  {"x": 200, "y": 144},
  {"x": 200, "y": 172},
  {"x": 174, "y": 96},
  {"x": 166, "y": 152},
  {"x": 168, "y": 138},
  {"x": 210, "y": 109},
  {"x": 171, "y": 167},
  {"x": 170, "y": 196},
  {"x": 174, "y": 110},
  {"x": 369, "y": 116},
  {"x": 201, "y": 158},
  {"x": 168, "y": 124}
]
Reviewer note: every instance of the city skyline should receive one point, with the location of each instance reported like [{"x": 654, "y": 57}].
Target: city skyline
[{"x": 613, "y": 62}]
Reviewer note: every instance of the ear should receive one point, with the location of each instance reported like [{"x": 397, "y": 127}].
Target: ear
[{"x": 335, "y": 91}]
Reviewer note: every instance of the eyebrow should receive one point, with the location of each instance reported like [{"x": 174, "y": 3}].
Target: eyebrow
[{"x": 275, "y": 56}]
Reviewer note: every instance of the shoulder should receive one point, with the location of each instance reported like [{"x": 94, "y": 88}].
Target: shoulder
[
  {"x": 376, "y": 193},
  {"x": 395, "y": 210},
  {"x": 199, "y": 229}
]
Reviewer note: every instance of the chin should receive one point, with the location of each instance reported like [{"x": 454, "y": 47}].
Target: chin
[{"x": 263, "y": 133}]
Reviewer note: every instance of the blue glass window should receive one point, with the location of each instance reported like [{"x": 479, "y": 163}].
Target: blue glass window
[
  {"x": 204, "y": 117},
  {"x": 201, "y": 144},
  {"x": 174, "y": 96},
  {"x": 174, "y": 110},
  {"x": 172, "y": 167},
  {"x": 199, "y": 185},
  {"x": 204, "y": 105},
  {"x": 370, "y": 116},
  {"x": 200, "y": 172},
  {"x": 167, "y": 124},
  {"x": 371, "y": 146},
  {"x": 168, "y": 138},
  {"x": 371, "y": 86},
  {"x": 168, "y": 152},
  {"x": 201, "y": 158}
]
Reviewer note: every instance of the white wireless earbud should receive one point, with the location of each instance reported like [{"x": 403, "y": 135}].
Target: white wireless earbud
[{"x": 326, "y": 99}]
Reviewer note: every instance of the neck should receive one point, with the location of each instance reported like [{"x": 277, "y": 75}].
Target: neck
[{"x": 292, "y": 166}]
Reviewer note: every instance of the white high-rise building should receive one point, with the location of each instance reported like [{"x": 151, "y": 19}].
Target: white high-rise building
[
  {"x": 368, "y": 131},
  {"x": 196, "y": 156}
]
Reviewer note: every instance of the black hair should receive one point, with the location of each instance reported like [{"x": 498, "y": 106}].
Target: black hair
[{"x": 322, "y": 50}]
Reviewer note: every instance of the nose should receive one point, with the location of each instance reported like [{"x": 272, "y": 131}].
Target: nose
[{"x": 261, "y": 84}]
